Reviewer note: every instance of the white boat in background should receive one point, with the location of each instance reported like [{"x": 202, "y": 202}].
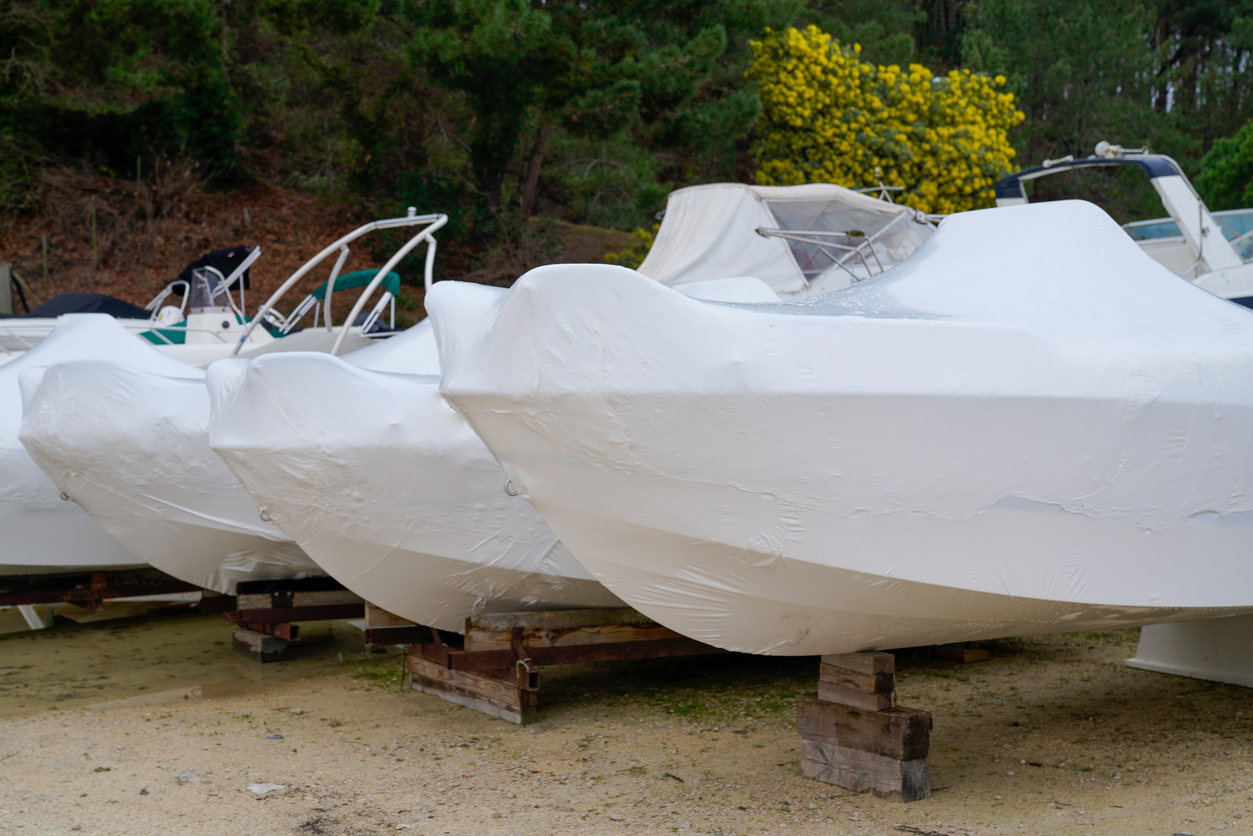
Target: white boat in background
[
  {"x": 1212, "y": 249},
  {"x": 1028, "y": 426},
  {"x": 39, "y": 532},
  {"x": 128, "y": 441},
  {"x": 204, "y": 326}
]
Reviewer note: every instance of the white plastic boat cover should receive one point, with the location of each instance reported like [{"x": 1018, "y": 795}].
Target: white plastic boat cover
[
  {"x": 125, "y": 438},
  {"x": 710, "y": 232},
  {"x": 387, "y": 488},
  {"x": 1028, "y": 426},
  {"x": 38, "y": 531}
]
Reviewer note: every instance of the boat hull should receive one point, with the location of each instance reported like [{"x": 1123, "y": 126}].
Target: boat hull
[
  {"x": 389, "y": 490},
  {"x": 39, "y": 532},
  {"x": 131, "y": 448},
  {"x": 966, "y": 448},
  {"x": 758, "y": 599},
  {"x": 47, "y": 536}
]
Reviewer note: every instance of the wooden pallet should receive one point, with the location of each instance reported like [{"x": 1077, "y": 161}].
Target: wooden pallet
[
  {"x": 266, "y": 612},
  {"x": 497, "y": 671},
  {"x": 855, "y": 736}
]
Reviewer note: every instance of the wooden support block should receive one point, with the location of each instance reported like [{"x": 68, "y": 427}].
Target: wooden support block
[
  {"x": 324, "y": 598},
  {"x": 858, "y": 771},
  {"x": 495, "y": 697},
  {"x": 843, "y": 695},
  {"x": 562, "y": 628},
  {"x": 869, "y": 661},
  {"x": 867, "y": 683},
  {"x": 288, "y": 600},
  {"x": 496, "y": 671},
  {"x": 378, "y": 618},
  {"x": 260, "y": 647},
  {"x": 900, "y": 733},
  {"x": 962, "y": 653},
  {"x": 854, "y": 736},
  {"x": 280, "y": 630},
  {"x": 383, "y": 628},
  {"x": 253, "y": 602}
]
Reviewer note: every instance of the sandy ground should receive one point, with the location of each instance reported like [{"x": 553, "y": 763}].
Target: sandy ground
[{"x": 158, "y": 727}]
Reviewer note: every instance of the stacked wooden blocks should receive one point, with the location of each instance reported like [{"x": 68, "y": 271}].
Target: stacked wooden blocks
[
  {"x": 497, "y": 670},
  {"x": 855, "y": 736}
]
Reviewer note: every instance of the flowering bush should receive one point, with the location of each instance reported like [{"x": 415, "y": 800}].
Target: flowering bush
[
  {"x": 830, "y": 118},
  {"x": 633, "y": 256}
]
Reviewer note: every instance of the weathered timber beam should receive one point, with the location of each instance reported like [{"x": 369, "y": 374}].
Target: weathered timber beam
[{"x": 276, "y": 615}]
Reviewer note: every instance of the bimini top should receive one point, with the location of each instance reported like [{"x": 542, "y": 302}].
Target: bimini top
[{"x": 791, "y": 237}]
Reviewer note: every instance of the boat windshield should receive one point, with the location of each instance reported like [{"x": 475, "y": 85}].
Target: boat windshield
[
  {"x": 1234, "y": 223},
  {"x": 208, "y": 291},
  {"x": 1153, "y": 230},
  {"x": 844, "y": 234}
]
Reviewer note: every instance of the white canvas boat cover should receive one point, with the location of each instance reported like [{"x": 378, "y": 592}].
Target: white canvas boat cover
[
  {"x": 38, "y": 530},
  {"x": 125, "y": 438},
  {"x": 710, "y": 232},
  {"x": 1027, "y": 426}
]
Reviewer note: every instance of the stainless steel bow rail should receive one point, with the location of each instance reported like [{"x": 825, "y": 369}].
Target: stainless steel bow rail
[{"x": 431, "y": 224}]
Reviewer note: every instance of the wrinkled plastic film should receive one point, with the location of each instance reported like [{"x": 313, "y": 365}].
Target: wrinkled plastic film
[
  {"x": 386, "y": 487},
  {"x": 1026, "y": 426},
  {"x": 41, "y": 532},
  {"x": 126, "y": 439}
]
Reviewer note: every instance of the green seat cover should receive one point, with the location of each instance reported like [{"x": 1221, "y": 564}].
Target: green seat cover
[
  {"x": 174, "y": 335},
  {"x": 361, "y": 278}
]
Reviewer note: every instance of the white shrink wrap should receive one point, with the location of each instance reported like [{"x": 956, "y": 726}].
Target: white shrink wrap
[
  {"x": 125, "y": 438},
  {"x": 39, "y": 532},
  {"x": 386, "y": 487},
  {"x": 798, "y": 240},
  {"x": 1027, "y": 426}
]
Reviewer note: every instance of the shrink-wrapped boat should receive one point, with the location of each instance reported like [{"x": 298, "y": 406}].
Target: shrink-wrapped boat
[
  {"x": 124, "y": 438},
  {"x": 386, "y": 487},
  {"x": 39, "y": 531},
  {"x": 1027, "y": 426},
  {"x": 127, "y": 439}
]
